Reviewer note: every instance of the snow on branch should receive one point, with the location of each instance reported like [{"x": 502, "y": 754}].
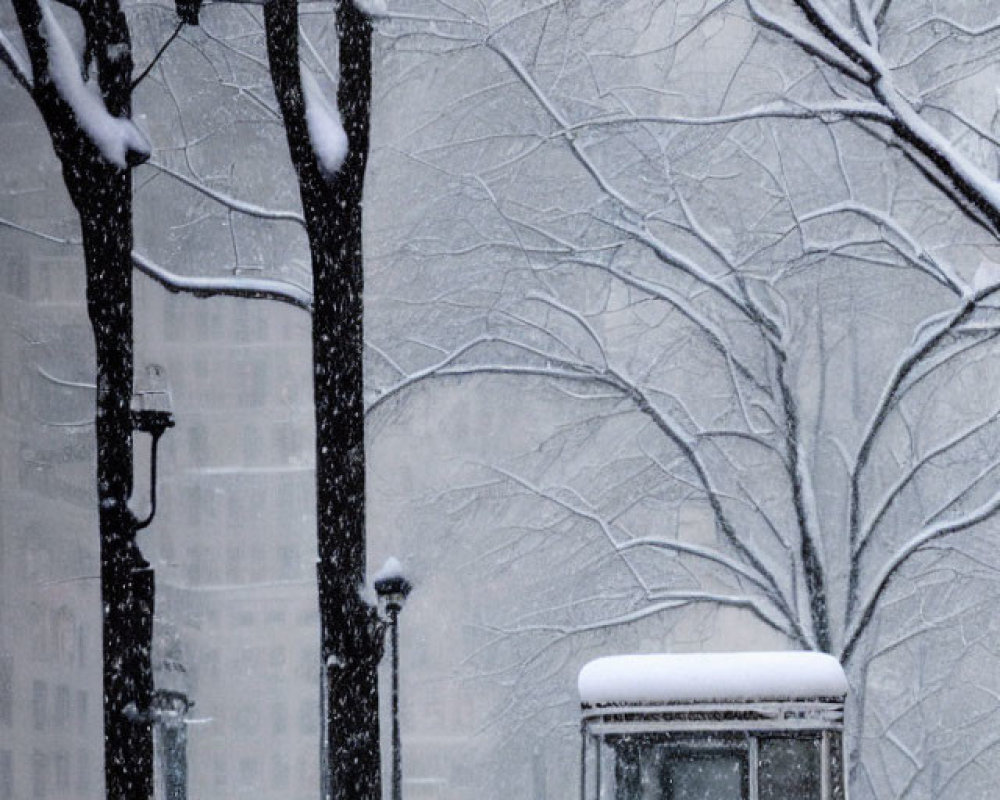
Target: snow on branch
[
  {"x": 326, "y": 130},
  {"x": 16, "y": 61},
  {"x": 637, "y": 230},
  {"x": 896, "y": 561},
  {"x": 664, "y": 601},
  {"x": 908, "y": 475},
  {"x": 918, "y": 256},
  {"x": 232, "y": 203},
  {"x": 212, "y": 286},
  {"x": 373, "y": 8},
  {"x": 826, "y": 112},
  {"x": 965, "y": 30},
  {"x": 810, "y": 41},
  {"x": 118, "y": 138},
  {"x": 837, "y": 45},
  {"x": 975, "y": 185}
]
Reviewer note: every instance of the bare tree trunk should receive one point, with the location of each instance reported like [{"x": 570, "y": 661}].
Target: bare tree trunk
[
  {"x": 351, "y": 637},
  {"x": 102, "y": 194}
]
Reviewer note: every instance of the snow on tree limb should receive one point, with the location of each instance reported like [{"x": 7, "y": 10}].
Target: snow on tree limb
[
  {"x": 233, "y": 286},
  {"x": 826, "y": 112},
  {"x": 16, "y": 62},
  {"x": 118, "y": 138},
  {"x": 326, "y": 132},
  {"x": 896, "y": 561},
  {"x": 232, "y": 203}
]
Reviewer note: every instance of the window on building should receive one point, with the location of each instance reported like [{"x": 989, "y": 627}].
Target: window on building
[
  {"x": 82, "y": 772},
  {"x": 6, "y": 691},
  {"x": 81, "y": 711},
  {"x": 62, "y": 628},
  {"x": 280, "y": 771},
  {"x": 279, "y": 718},
  {"x": 6, "y": 774},
  {"x": 39, "y": 775},
  {"x": 62, "y": 713},
  {"x": 234, "y": 563},
  {"x": 248, "y": 773},
  {"x": 39, "y": 704},
  {"x": 198, "y": 444},
  {"x": 60, "y": 765},
  {"x": 81, "y": 646},
  {"x": 308, "y": 714},
  {"x": 221, "y": 775},
  {"x": 287, "y": 561}
]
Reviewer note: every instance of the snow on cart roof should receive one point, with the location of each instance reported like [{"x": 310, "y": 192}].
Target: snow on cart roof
[{"x": 706, "y": 677}]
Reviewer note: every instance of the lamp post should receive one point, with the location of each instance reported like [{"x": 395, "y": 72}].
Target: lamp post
[
  {"x": 130, "y": 600},
  {"x": 392, "y": 588},
  {"x": 151, "y": 413}
]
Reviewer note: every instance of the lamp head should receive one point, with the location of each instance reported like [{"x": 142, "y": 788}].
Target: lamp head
[
  {"x": 152, "y": 403},
  {"x": 391, "y": 586}
]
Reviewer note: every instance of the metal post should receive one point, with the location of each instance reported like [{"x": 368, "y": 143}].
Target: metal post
[
  {"x": 168, "y": 713},
  {"x": 397, "y": 756}
]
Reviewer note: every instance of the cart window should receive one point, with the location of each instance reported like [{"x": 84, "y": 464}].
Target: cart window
[
  {"x": 789, "y": 768},
  {"x": 715, "y": 777},
  {"x": 702, "y": 768}
]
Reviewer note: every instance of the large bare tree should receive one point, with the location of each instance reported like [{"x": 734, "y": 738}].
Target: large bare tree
[
  {"x": 86, "y": 108},
  {"x": 749, "y": 247},
  {"x": 331, "y": 202}
]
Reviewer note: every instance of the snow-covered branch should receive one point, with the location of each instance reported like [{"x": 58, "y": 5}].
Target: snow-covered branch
[
  {"x": 232, "y": 203},
  {"x": 231, "y": 286},
  {"x": 831, "y": 111},
  {"x": 896, "y": 561},
  {"x": 15, "y": 61}
]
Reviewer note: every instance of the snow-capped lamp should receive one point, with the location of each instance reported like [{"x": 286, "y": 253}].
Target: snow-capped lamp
[
  {"x": 391, "y": 586},
  {"x": 718, "y": 726}
]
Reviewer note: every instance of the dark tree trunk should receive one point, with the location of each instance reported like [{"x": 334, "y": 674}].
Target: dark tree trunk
[
  {"x": 102, "y": 195},
  {"x": 351, "y": 636}
]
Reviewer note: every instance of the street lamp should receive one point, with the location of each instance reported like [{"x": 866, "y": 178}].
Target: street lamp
[
  {"x": 129, "y": 620},
  {"x": 392, "y": 588},
  {"x": 151, "y": 413}
]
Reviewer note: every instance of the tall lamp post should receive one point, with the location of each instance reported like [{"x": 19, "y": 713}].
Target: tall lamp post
[
  {"x": 128, "y": 589},
  {"x": 392, "y": 588}
]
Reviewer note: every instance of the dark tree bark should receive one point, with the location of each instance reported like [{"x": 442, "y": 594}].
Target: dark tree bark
[
  {"x": 351, "y": 635},
  {"x": 102, "y": 195}
]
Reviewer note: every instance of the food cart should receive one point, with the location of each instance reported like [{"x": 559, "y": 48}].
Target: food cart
[{"x": 713, "y": 726}]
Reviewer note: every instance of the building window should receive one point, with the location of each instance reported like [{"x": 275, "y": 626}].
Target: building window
[
  {"x": 6, "y": 774},
  {"x": 6, "y": 691},
  {"x": 81, "y": 711},
  {"x": 221, "y": 781},
  {"x": 61, "y": 768},
  {"x": 62, "y": 628},
  {"x": 280, "y": 771},
  {"x": 62, "y": 713},
  {"x": 81, "y": 646},
  {"x": 198, "y": 441},
  {"x": 82, "y": 772},
  {"x": 279, "y": 718},
  {"x": 248, "y": 773},
  {"x": 234, "y": 563},
  {"x": 39, "y": 775},
  {"x": 307, "y": 717},
  {"x": 287, "y": 561},
  {"x": 39, "y": 701}
]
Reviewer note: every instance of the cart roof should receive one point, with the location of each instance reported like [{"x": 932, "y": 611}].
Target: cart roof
[{"x": 707, "y": 677}]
